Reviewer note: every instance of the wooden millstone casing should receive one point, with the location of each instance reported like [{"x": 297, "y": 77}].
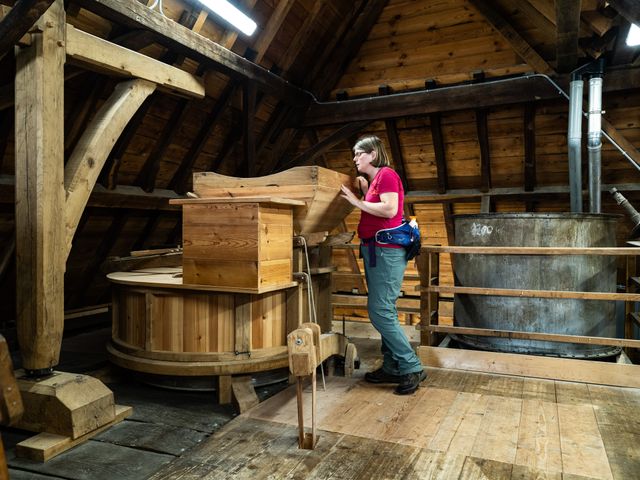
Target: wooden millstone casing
[
  {"x": 162, "y": 326},
  {"x": 231, "y": 309}
]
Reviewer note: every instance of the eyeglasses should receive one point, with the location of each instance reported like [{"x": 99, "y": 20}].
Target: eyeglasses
[{"x": 357, "y": 154}]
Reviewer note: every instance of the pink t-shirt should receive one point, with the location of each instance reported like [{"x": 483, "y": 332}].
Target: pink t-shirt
[{"x": 386, "y": 181}]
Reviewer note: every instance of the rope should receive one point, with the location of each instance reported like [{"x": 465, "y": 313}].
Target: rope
[
  {"x": 311, "y": 301},
  {"x": 157, "y": 3}
]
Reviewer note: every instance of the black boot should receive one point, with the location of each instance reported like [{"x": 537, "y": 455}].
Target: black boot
[
  {"x": 380, "y": 376},
  {"x": 410, "y": 382}
]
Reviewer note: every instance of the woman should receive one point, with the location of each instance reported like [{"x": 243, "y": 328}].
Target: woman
[{"x": 384, "y": 264}]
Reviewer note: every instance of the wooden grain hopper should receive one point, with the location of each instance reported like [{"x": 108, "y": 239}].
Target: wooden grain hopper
[{"x": 318, "y": 187}]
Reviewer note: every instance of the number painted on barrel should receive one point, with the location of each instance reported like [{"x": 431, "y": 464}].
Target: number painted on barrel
[{"x": 479, "y": 230}]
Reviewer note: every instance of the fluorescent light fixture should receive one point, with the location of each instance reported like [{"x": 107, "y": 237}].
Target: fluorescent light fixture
[
  {"x": 633, "y": 39},
  {"x": 232, "y": 15}
]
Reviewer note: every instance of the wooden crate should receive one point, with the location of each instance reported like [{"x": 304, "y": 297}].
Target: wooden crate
[{"x": 238, "y": 243}]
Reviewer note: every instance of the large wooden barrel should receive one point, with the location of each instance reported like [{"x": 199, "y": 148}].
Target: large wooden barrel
[{"x": 161, "y": 326}]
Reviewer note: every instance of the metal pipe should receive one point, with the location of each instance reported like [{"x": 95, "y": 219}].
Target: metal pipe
[
  {"x": 632, "y": 212},
  {"x": 574, "y": 140},
  {"x": 594, "y": 143}
]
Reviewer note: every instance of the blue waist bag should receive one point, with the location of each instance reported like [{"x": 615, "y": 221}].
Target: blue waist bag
[{"x": 407, "y": 234}]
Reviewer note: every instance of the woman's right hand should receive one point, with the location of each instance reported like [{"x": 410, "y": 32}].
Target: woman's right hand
[{"x": 361, "y": 185}]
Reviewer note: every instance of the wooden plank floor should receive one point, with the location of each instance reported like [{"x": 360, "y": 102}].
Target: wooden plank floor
[{"x": 458, "y": 425}]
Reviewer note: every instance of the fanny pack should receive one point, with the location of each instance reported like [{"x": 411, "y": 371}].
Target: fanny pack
[{"x": 407, "y": 235}]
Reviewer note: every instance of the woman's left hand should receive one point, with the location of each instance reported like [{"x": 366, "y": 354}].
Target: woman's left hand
[{"x": 349, "y": 196}]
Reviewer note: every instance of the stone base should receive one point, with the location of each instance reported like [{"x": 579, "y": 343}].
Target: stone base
[{"x": 66, "y": 404}]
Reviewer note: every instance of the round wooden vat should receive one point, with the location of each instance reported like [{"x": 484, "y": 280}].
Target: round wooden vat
[{"x": 163, "y": 327}]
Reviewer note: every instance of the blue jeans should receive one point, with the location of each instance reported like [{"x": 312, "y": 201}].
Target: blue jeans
[{"x": 384, "y": 282}]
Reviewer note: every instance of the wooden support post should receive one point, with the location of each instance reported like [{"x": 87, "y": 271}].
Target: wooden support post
[
  {"x": 248, "y": 127},
  {"x": 243, "y": 315},
  {"x": 428, "y": 264},
  {"x": 244, "y": 395},
  {"x": 322, "y": 285},
  {"x": 224, "y": 389},
  {"x": 89, "y": 156},
  {"x": 296, "y": 298},
  {"x": 631, "y": 271},
  {"x": 40, "y": 195}
]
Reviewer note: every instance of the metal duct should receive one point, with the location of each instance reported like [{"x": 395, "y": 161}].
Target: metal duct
[
  {"x": 574, "y": 140},
  {"x": 594, "y": 142}
]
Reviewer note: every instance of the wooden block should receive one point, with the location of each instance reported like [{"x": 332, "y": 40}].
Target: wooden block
[
  {"x": 66, "y": 404},
  {"x": 224, "y": 389},
  {"x": 45, "y": 446},
  {"x": 244, "y": 395},
  {"x": 237, "y": 244},
  {"x": 302, "y": 352}
]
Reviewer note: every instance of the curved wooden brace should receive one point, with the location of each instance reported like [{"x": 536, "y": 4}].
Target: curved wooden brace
[{"x": 90, "y": 155}]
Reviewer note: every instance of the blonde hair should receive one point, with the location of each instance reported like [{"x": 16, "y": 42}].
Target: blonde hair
[{"x": 370, "y": 143}]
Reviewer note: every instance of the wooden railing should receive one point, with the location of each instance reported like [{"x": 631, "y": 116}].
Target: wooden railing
[{"x": 428, "y": 263}]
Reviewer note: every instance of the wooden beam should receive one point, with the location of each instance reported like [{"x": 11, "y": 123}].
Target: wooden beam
[
  {"x": 19, "y": 21},
  {"x": 394, "y": 143},
  {"x": 547, "y": 337},
  {"x": 248, "y": 127},
  {"x": 474, "y": 195},
  {"x": 302, "y": 35},
  {"x": 568, "y": 28},
  {"x": 525, "y": 9},
  {"x": 447, "y": 212},
  {"x": 230, "y": 36},
  {"x": 334, "y": 55},
  {"x": 39, "y": 143},
  {"x": 136, "y": 15},
  {"x": 271, "y": 144},
  {"x": 227, "y": 147},
  {"x": 135, "y": 198},
  {"x": 485, "y": 156},
  {"x": 331, "y": 44},
  {"x": 181, "y": 177},
  {"x": 482, "y": 250},
  {"x": 83, "y": 168},
  {"x": 85, "y": 106},
  {"x": 461, "y": 97},
  {"x": 147, "y": 176},
  {"x": 90, "y": 50},
  {"x": 6, "y": 96},
  {"x": 629, "y": 9},
  {"x": 8, "y": 255},
  {"x": 98, "y": 257},
  {"x": 274, "y": 25},
  {"x": 150, "y": 226},
  {"x": 529, "y": 146},
  {"x": 621, "y": 140},
  {"x": 438, "y": 148},
  {"x": 485, "y": 204},
  {"x": 326, "y": 144},
  {"x": 404, "y": 304},
  {"x": 6, "y": 132},
  {"x": 562, "y": 369},
  {"x": 349, "y": 46},
  {"x": 109, "y": 174},
  {"x": 511, "y": 35}
]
